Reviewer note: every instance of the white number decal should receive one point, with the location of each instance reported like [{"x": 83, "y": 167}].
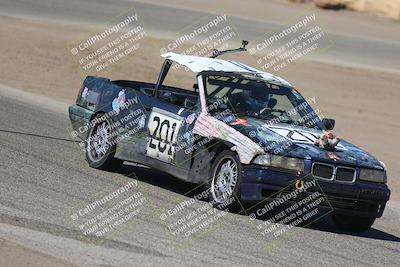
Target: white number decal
[{"x": 163, "y": 132}]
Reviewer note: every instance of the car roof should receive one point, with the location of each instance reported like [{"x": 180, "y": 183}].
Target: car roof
[{"x": 198, "y": 64}]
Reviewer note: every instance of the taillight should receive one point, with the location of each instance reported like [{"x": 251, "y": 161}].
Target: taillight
[{"x": 80, "y": 93}]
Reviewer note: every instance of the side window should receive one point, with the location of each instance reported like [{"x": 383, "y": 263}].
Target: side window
[
  {"x": 179, "y": 77},
  {"x": 181, "y": 99},
  {"x": 283, "y": 103},
  {"x": 177, "y": 82},
  {"x": 219, "y": 97}
]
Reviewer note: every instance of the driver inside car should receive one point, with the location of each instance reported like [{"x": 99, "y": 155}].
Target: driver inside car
[
  {"x": 253, "y": 102},
  {"x": 270, "y": 106}
]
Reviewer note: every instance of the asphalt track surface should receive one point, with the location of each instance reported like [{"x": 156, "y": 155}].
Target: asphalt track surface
[
  {"x": 358, "y": 51},
  {"x": 44, "y": 180}
]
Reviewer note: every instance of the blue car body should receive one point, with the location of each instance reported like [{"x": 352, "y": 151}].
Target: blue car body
[{"x": 162, "y": 132}]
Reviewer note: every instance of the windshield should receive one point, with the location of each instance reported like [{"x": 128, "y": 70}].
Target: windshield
[{"x": 246, "y": 96}]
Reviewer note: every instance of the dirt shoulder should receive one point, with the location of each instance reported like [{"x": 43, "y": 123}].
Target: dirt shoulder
[
  {"x": 21, "y": 256},
  {"x": 285, "y": 12}
]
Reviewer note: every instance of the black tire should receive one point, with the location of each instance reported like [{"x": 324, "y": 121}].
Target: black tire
[
  {"x": 229, "y": 200},
  {"x": 97, "y": 158},
  {"x": 352, "y": 223}
]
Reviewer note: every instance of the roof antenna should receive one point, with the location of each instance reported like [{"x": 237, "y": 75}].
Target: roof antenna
[{"x": 217, "y": 53}]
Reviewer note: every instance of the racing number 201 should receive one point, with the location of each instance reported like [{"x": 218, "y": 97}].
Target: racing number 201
[{"x": 163, "y": 139}]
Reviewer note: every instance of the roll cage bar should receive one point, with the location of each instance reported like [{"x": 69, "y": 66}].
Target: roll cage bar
[{"x": 168, "y": 63}]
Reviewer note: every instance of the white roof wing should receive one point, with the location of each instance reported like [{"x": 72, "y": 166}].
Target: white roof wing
[{"x": 199, "y": 64}]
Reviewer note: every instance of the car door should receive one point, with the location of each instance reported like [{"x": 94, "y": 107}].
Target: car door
[
  {"x": 169, "y": 133},
  {"x": 132, "y": 123}
]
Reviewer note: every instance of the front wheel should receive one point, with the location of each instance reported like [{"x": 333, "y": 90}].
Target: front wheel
[
  {"x": 100, "y": 145},
  {"x": 224, "y": 182},
  {"x": 352, "y": 223}
]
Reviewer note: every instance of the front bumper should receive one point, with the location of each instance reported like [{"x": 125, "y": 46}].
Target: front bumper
[{"x": 359, "y": 198}]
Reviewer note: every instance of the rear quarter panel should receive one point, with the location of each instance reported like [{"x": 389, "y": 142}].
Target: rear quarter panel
[{"x": 100, "y": 95}]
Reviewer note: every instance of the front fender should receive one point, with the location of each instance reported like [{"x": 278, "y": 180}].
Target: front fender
[{"x": 208, "y": 126}]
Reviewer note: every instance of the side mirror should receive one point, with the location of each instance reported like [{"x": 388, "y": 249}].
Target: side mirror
[{"x": 329, "y": 124}]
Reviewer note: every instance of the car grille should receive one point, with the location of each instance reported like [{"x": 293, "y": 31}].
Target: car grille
[
  {"x": 340, "y": 202},
  {"x": 323, "y": 171},
  {"x": 329, "y": 201},
  {"x": 345, "y": 174},
  {"x": 331, "y": 172}
]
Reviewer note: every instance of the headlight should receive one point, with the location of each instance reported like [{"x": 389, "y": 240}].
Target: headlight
[
  {"x": 373, "y": 176},
  {"x": 280, "y": 162}
]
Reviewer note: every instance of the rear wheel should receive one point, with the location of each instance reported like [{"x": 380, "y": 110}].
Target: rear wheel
[
  {"x": 352, "y": 223},
  {"x": 224, "y": 182},
  {"x": 100, "y": 145}
]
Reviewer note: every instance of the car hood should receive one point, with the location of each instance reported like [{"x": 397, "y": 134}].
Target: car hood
[{"x": 297, "y": 141}]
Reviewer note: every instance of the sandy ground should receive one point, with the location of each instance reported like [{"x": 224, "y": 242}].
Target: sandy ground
[
  {"x": 21, "y": 256},
  {"x": 282, "y": 11}
]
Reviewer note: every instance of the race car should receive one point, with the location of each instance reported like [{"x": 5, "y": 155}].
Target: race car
[{"x": 248, "y": 134}]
